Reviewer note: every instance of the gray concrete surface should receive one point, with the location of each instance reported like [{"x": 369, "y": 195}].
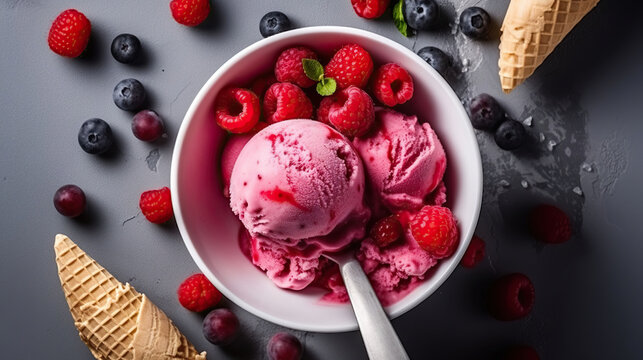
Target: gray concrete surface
[{"x": 586, "y": 98}]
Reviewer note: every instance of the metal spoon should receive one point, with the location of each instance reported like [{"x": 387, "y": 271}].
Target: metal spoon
[{"x": 378, "y": 334}]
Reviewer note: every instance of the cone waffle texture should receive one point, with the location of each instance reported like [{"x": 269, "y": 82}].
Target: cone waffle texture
[
  {"x": 113, "y": 319},
  {"x": 530, "y": 32}
]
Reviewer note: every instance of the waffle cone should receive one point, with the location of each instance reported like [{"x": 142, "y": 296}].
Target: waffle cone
[
  {"x": 531, "y": 31},
  {"x": 113, "y": 319}
]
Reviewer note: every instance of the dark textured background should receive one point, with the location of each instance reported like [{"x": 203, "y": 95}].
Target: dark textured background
[{"x": 586, "y": 98}]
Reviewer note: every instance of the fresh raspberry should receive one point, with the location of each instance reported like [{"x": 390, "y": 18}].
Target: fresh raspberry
[
  {"x": 392, "y": 85},
  {"x": 69, "y": 33},
  {"x": 435, "y": 230},
  {"x": 196, "y": 293},
  {"x": 370, "y": 9},
  {"x": 511, "y": 297},
  {"x": 521, "y": 352},
  {"x": 474, "y": 253},
  {"x": 190, "y": 12},
  {"x": 262, "y": 83},
  {"x": 386, "y": 231},
  {"x": 351, "y": 65},
  {"x": 550, "y": 224},
  {"x": 289, "y": 67},
  {"x": 350, "y": 111},
  {"x": 284, "y": 101},
  {"x": 237, "y": 110},
  {"x": 156, "y": 205}
]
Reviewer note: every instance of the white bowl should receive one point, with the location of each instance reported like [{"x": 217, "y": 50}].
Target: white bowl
[{"x": 209, "y": 229}]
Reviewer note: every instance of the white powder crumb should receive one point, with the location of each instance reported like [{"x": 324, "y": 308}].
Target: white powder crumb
[
  {"x": 551, "y": 144},
  {"x": 586, "y": 167},
  {"x": 568, "y": 152},
  {"x": 528, "y": 121},
  {"x": 541, "y": 137},
  {"x": 504, "y": 183},
  {"x": 524, "y": 184},
  {"x": 578, "y": 191}
]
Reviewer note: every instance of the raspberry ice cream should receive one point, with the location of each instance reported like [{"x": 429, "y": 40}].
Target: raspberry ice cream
[
  {"x": 404, "y": 160},
  {"x": 298, "y": 183}
]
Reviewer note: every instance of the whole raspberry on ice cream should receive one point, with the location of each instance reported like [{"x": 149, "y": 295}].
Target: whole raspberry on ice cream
[
  {"x": 351, "y": 65},
  {"x": 435, "y": 230}
]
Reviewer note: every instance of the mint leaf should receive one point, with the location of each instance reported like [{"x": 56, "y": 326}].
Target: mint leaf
[
  {"x": 398, "y": 18},
  {"x": 313, "y": 69},
  {"x": 326, "y": 87}
]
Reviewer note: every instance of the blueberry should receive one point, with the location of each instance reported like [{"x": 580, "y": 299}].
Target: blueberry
[
  {"x": 421, "y": 14},
  {"x": 95, "y": 136},
  {"x": 510, "y": 135},
  {"x": 284, "y": 346},
  {"x": 485, "y": 112},
  {"x": 126, "y": 48},
  {"x": 70, "y": 200},
  {"x": 273, "y": 23},
  {"x": 220, "y": 326},
  {"x": 474, "y": 22},
  {"x": 436, "y": 58},
  {"x": 129, "y": 94}
]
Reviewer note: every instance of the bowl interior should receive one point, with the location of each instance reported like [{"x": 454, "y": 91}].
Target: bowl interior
[{"x": 209, "y": 228}]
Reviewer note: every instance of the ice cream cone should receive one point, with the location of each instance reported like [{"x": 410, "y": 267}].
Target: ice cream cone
[
  {"x": 530, "y": 32},
  {"x": 113, "y": 319}
]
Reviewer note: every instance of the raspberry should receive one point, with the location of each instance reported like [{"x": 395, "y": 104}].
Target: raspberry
[
  {"x": 370, "y": 9},
  {"x": 434, "y": 228},
  {"x": 474, "y": 253},
  {"x": 69, "y": 33},
  {"x": 386, "y": 231},
  {"x": 350, "y": 111},
  {"x": 511, "y": 297},
  {"x": 392, "y": 85},
  {"x": 237, "y": 110},
  {"x": 190, "y": 12},
  {"x": 521, "y": 352},
  {"x": 550, "y": 224},
  {"x": 284, "y": 101},
  {"x": 262, "y": 83},
  {"x": 156, "y": 205},
  {"x": 196, "y": 293},
  {"x": 289, "y": 67},
  {"x": 351, "y": 65}
]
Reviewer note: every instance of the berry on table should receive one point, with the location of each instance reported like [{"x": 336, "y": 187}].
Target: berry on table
[
  {"x": 550, "y": 224},
  {"x": 474, "y": 22},
  {"x": 392, "y": 85},
  {"x": 129, "y": 95},
  {"x": 69, "y": 33},
  {"x": 69, "y": 200},
  {"x": 350, "y": 111},
  {"x": 435, "y": 230},
  {"x": 350, "y": 65},
  {"x": 435, "y": 57},
  {"x": 510, "y": 135},
  {"x": 386, "y": 231},
  {"x": 147, "y": 125},
  {"x": 126, "y": 48},
  {"x": 284, "y": 101},
  {"x": 474, "y": 253},
  {"x": 220, "y": 326},
  {"x": 284, "y": 346},
  {"x": 237, "y": 110},
  {"x": 421, "y": 14},
  {"x": 511, "y": 297},
  {"x": 289, "y": 68},
  {"x": 190, "y": 12},
  {"x": 521, "y": 352},
  {"x": 156, "y": 205},
  {"x": 370, "y": 9},
  {"x": 196, "y": 293},
  {"x": 485, "y": 112},
  {"x": 95, "y": 136},
  {"x": 273, "y": 23}
]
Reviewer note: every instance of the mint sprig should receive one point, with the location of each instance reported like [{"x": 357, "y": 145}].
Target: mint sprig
[
  {"x": 398, "y": 18},
  {"x": 314, "y": 70}
]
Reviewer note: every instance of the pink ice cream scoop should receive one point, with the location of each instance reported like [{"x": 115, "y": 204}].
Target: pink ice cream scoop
[
  {"x": 404, "y": 160},
  {"x": 297, "y": 181}
]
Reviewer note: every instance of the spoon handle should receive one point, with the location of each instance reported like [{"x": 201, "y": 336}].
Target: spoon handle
[{"x": 380, "y": 338}]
